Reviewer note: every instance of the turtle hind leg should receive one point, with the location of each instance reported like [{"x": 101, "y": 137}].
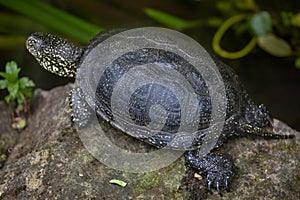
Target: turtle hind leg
[
  {"x": 267, "y": 132},
  {"x": 219, "y": 170},
  {"x": 81, "y": 112}
]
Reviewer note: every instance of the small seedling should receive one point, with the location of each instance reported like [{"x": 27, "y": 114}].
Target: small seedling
[{"x": 19, "y": 90}]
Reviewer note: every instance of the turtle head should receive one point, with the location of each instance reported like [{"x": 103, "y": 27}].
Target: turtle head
[{"x": 54, "y": 53}]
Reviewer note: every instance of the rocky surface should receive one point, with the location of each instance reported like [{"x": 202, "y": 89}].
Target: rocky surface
[
  {"x": 49, "y": 161},
  {"x": 8, "y": 136}
]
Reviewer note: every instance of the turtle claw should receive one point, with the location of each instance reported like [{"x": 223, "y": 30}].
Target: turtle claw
[
  {"x": 209, "y": 187},
  {"x": 227, "y": 186},
  {"x": 219, "y": 170},
  {"x": 219, "y": 174},
  {"x": 218, "y": 189}
]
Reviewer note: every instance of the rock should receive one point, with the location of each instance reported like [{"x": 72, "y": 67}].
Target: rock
[
  {"x": 8, "y": 136},
  {"x": 49, "y": 161}
]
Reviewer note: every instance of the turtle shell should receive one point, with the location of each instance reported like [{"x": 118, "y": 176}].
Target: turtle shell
[{"x": 160, "y": 86}]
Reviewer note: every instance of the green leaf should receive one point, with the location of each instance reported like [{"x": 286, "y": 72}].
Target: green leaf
[
  {"x": 12, "y": 71},
  {"x": 25, "y": 82},
  {"x": 7, "y": 98},
  {"x": 118, "y": 182},
  {"x": 13, "y": 89},
  {"x": 261, "y": 23},
  {"x": 274, "y": 45},
  {"x": 3, "y": 84},
  {"x": 19, "y": 89},
  {"x": 12, "y": 68},
  {"x": 53, "y": 18},
  {"x": 3, "y": 74},
  {"x": 297, "y": 63},
  {"x": 214, "y": 22},
  {"x": 246, "y": 4},
  {"x": 27, "y": 92},
  {"x": 22, "y": 123},
  {"x": 170, "y": 20},
  {"x": 286, "y": 18},
  {"x": 20, "y": 98},
  {"x": 295, "y": 20},
  {"x": 224, "y": 6},
  {"x": 9, "y": 77}
]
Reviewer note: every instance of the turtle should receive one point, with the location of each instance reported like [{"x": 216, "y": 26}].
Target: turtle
[{"x": 178, "y": 71}]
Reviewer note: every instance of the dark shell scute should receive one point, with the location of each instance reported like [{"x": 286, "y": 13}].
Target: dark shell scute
[{"x": 146, "y": 96}]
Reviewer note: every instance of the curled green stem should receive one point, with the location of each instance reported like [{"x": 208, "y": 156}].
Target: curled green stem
[{"x": 220, "y": 33}]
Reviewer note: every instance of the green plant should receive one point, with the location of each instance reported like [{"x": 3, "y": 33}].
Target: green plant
[
  {"x": 279, "y": 36},
  {"x": 118, "y": 182},
  {"x": 19, "y": 89},
  {"x": 41, "y": 16},
  {"x": 178, "y": 23}
]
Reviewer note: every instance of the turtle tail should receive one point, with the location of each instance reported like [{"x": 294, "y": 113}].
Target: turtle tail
[
  {"x": 272, "y": 135},
  {"x": 272, "y": 132}
]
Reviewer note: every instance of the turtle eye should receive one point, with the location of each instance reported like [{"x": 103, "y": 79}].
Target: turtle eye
[{"x": 33, "y": 44}]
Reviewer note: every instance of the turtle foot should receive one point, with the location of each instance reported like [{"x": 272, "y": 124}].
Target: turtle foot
[
  {"x": 80, "y": 110},
  {"x": 219, "y": 170}
]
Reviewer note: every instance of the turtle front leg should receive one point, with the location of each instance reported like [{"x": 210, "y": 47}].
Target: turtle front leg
[
  {"x": 81, "y": 112},
  {"x": 219, "y": 170}
]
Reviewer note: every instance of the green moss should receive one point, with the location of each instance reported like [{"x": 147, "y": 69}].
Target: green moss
[
  {"x": 86, "y": 159},
  {"x": 260, "y": 157},
  {"x": 255, "y": 180},
  {"x": 148, "y": 181},
  {"x": 2, "y": 158},
  {"x": 287, "y": 146},
  {"x": 246, "y": 140},
  {"x": 166, "y": 181}
]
